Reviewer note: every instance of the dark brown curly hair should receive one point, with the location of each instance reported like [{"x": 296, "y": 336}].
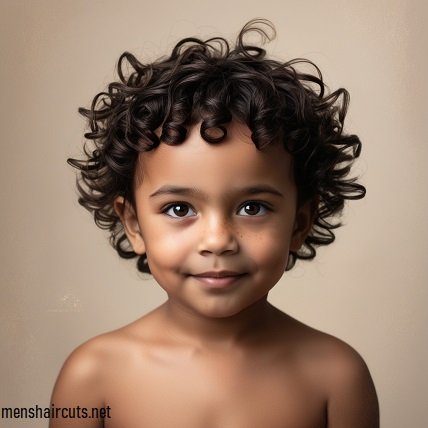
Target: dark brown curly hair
[{"x": 209, "y": 82}]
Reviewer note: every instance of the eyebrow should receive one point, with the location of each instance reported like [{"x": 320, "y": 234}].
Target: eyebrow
[{"x": 193, "y": 191}]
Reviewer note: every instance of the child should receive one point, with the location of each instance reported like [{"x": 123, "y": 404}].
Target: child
[{"x": 217, "y": 169}]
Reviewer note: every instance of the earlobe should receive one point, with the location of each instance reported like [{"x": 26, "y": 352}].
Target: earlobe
[
  {"x": 129, "y": 219},
  {"x": 302, "y": 224}
]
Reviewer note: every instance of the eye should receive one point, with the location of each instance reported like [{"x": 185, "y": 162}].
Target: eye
[
  {"x": 253, "y": 209},
  {"x": 178, "y": 210}
]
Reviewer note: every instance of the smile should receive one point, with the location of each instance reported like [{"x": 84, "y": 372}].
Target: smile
[{"x": 218, "y": 280}]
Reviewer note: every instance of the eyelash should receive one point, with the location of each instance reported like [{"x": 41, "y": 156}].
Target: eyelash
[
  {"x": 174, "y": 204},
  {"x": 262, "y": 205}
]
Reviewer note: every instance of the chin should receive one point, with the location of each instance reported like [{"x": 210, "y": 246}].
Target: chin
[{"x": 222, "y": 312}]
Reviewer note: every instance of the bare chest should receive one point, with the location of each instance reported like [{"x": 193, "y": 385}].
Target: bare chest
[{"x": 227, "y": 394}]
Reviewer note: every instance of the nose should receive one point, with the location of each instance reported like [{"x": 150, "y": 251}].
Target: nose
[{"x": 218, "y": 237}]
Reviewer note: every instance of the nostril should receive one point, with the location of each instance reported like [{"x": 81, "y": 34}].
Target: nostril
[{"x": 218, "y": 244}]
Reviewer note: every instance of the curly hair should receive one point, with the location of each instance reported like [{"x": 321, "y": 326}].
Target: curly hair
[{"x": 212, "y": 83}]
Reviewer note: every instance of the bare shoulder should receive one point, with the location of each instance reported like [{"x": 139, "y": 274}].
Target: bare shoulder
[
  {"x": 85, "y": 377},
  {"x": 79, "y": 386},
  {"x": 352, "y": 399},
  {"x": 89, "y": 363},
  {"x": 84, "y": 366},
  {"x": 343, "y": 376}
]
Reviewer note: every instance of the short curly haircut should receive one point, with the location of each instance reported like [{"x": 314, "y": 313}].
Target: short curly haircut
[{"x": 208, "y": 82}]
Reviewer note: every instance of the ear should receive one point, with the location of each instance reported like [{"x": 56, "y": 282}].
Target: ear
[
  {"x": 302, "y": 224},
  {"x": 128, "y": 217}
]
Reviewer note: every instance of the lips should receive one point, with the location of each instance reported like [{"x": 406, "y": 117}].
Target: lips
[
  {"x": 218, "y": 279},
  {"x": 218, "y": 274}
]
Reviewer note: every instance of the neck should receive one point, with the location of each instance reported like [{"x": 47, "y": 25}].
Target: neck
[{"x": 200, "y": 330}]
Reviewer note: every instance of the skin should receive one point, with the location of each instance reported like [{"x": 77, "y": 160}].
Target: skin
[{"x": 217, "y": 357}]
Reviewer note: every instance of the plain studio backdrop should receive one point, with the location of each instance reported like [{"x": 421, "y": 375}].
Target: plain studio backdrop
[{"x": 62, "y": 284}]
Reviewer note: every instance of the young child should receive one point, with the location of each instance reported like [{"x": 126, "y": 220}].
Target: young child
[{"x": 217, "y": 168}]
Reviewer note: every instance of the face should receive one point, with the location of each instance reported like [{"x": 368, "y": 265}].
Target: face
[{"x": 216, "y": 222}]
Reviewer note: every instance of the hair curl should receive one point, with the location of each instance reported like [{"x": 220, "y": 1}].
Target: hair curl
[{"x": 207, "y": 81}]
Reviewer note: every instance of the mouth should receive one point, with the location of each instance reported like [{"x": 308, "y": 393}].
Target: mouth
[
  {"x": 218, "y": 279},
  {"x": 218, "y": 274}
]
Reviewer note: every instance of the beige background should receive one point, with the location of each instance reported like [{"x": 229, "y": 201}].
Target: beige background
[{"x": 61, "y": 283}]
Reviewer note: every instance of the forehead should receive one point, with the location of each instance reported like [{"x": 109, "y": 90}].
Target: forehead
[{"x": 235, "y": 161}]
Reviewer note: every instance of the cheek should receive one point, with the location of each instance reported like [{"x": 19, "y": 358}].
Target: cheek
[
  {"x": 165, "y": 250},
  {"x": 270, "y": 248}
]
